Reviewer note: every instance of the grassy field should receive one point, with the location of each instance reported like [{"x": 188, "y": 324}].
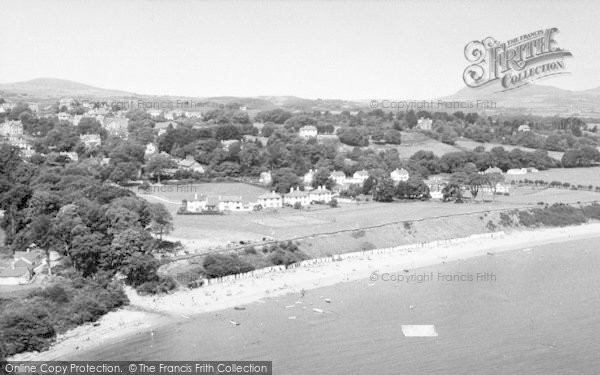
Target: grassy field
[
  {"x": 469, "y": 145},
  {"x": 205, "y": 233},
  {"x": 577, "y": 176},
  {"x": 411, "y": 143}
]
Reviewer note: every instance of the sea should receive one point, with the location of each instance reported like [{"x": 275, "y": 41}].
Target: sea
[{"x": 529, "y": 311}]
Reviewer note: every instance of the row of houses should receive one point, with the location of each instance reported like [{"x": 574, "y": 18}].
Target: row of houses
[
  {"x": 270, "y": 200},
  {"x": 340, "y": 178}
]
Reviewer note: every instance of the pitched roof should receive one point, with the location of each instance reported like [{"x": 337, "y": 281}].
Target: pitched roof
[
  {"x": 320, "y": 191},
  {"x": 16, "y": 272},
  {"x": 269, "y": 195},
  {"x": 297, "y": 193},
  {"x": 212, "y": 201},
  {"x": 31, "y": 256},
  {"x": 338, "y": 174},
  {"x": 400, "y": 171},
  {"x": 230, "y": 198},
  {"x": 165, "y": 124}
]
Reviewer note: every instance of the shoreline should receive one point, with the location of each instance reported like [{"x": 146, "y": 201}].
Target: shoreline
[{"x": 146, "y": 313}]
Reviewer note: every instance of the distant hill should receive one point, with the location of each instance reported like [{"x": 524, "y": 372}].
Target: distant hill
[
  {"x": 46, "y": 88},
  {"x": 534, "y": 96}
]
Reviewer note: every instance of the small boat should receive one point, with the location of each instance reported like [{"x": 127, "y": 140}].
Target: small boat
[
  {"x": 318, "y": 310},
  {"x": 234, "y": 323},
  {"x": 327, "y": 300},
  {"x": 239, "y": 308}
]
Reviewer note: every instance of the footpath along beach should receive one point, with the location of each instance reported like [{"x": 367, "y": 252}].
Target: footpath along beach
[{"x": 145, "y": 314}]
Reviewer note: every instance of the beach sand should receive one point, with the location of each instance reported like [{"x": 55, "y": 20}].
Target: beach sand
[{"x": 146, "y": 313}]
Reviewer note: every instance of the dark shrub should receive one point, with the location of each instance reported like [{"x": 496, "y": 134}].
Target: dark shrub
[
  {"x": 163, "y": 285},
  {"x": 22, "y": 332},
  {"x": 218, "y": 265}
]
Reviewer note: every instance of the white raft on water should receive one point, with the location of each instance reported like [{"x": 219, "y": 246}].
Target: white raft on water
[{"x": 419, "y": 330}]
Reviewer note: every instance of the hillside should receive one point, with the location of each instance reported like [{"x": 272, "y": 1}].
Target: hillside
[
  {"x": 534, "y": 96},
  {"x": 46, "y": 88}
]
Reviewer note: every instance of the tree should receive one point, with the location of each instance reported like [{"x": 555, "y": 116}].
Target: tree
[
  {"x": 475, "y": 182},
  {"x": 493, "y": 179},
  {"x": 322, "y": 178},
  {"x": 86, "y": 251},
  {"x": 284, "y": 179},
  {"x": 65, "y": 226},
  {"x": 369, "y": 185},
  {"x": 125, "y": 244},
  {"x": 411, "y": 119},
  {"x": 384, "y": 190},
  {"x": 162, "y": 221},
  {"x": 140, "y": 268},
  {"x": 124, "y": 172},
  {"x": 158, "y": 163}
]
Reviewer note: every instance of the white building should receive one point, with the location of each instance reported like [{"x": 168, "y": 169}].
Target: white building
[
  {"x": 493, "y": 170},
  {"x": 361, "y": 176},
  {"x": 151, "y": 149},
  {"x": 265, "y": 178},
  {"x": 154, "y": 112},
  {"x": 524, "y": 128},
  {"x": 517, "y": 171},
  {"x": 320, "y": 194},
  {"x": 91, "y": 140},
  {"x": 189, "y": 164},
  {"x": 501, "y": 188},
  {"x": 15, "y": 276},
  {"x": 338, "y": 177},
  {"x": 296, "y": 196},
  {"x": 308, "y": 131},
  {"x": 309, "y": 177},
  {"x": 424, "y": 123},
  {"x": 270, "y": 200},
  {"x": 64, "y": 116},
  {"x": 231, "y": 203},
  {"x": 11, "y": 129},
  {"x": 398, "y": 175}
]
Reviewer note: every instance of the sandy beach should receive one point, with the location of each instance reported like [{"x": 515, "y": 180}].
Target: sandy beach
[{"x": 147, "y": 313}]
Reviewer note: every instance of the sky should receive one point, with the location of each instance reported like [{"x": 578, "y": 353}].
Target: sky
[{"x": 312, "y": 49}]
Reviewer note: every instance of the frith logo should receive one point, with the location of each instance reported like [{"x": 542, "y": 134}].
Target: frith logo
[{"x": 514, "y": 63}]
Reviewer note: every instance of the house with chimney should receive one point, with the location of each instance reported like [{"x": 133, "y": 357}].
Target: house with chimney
[
  {"x": 296, "y": 196},
  {"x": 231, "y": 203},
  {"x": 321, "y": 194},
  {"x": 338, "y": 177},
  {"x": 190, "y": 164},
  {"x": 270, "y": 200}
]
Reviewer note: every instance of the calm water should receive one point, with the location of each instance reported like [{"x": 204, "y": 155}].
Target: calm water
[{"x": 540, "y": 316}]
